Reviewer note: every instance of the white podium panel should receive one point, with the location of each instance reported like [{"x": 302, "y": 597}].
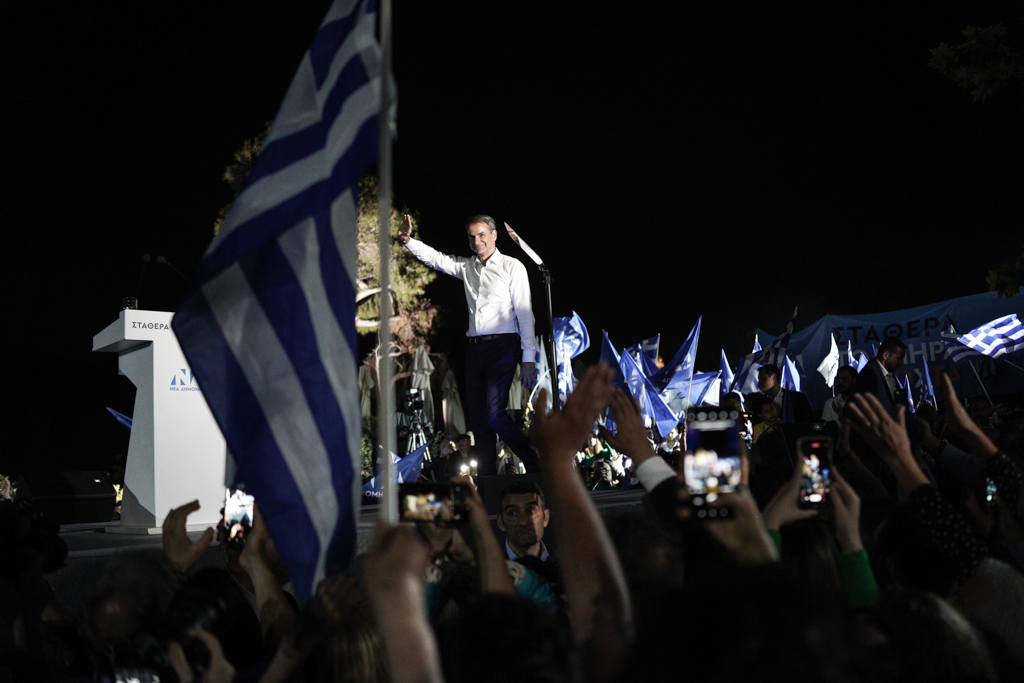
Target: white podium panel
[{"x": 176, "y": 453}]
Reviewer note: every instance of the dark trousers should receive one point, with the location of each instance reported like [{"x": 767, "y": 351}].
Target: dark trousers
[{"x": 490, "y": 369}]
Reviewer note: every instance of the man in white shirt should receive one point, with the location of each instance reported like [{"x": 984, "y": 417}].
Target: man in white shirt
[
  {"x": 846, "y": 379},
  {"x": 500, "y": 334}
]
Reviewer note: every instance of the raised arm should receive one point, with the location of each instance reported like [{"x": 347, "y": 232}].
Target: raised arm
[
  {"x": 596, "y": 593},
  {"x": 449, "y": 265}
]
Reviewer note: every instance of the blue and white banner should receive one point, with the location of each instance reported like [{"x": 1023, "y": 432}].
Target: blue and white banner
[
  {"x": 268, "y": 323},
  {"x": 919, "y": 328}
]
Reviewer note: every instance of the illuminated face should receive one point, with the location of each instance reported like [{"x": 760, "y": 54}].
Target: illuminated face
[
  {"x": 766, "y": 380},
  {"x": 892, "y": 360},
  {"x": 482, "y": 240},
  {"x": 523, "y": 519}
]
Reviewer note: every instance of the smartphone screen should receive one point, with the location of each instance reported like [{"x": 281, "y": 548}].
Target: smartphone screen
[
  {"x": 712, "y": 462},
  {"x": 990, "y": 492},
  {"x": 815, "y": 479},
  {"x": 432, "y": 502},
  {"x": 237, "y": 522}
]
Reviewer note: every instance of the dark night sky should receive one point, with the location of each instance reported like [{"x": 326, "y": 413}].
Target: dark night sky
[{"x": 724, "y": 159}]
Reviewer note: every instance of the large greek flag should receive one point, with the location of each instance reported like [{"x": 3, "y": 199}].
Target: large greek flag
[
  {"x": 773, "y": 354},
  {"x": 268, "y": 324}
]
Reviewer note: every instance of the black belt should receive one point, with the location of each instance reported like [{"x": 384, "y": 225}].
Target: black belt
[{"x": 484, "y": 338}]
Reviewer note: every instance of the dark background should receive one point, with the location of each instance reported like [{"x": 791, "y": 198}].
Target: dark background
[{"x": 667, "y": 162}]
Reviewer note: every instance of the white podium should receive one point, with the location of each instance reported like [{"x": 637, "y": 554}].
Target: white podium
[{"x": 176, "y": 453}]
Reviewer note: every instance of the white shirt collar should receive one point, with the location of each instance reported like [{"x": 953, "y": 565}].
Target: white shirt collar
[{"x": 513, "y": 556}]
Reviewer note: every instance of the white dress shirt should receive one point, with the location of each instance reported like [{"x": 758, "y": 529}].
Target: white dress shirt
[
  {"x": 498, "y": 293},
  {"x": 833, "y": 410}
]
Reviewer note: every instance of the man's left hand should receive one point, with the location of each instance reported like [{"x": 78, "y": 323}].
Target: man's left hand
[{"x": 528, "y": 374}]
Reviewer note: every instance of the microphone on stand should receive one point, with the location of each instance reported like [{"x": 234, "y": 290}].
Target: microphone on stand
[
  {"x": 164, "y": 262},
  {"x": 146, "y": 258}
]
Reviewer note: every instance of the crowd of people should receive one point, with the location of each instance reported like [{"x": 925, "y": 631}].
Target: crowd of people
[{"x": 912, "y": 570}]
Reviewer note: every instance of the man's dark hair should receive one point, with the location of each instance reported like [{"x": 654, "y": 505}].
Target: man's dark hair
[
  {"x": 482, "y": 218},
  {"x": 772, "y": 369},
  {"x": 520, "y": 485},
  {"x": 850, "y": 369},
  {"x": 460, "y": 437},
  {"x": 890, "y": 344},
  {"x": 469, "y": 644}
]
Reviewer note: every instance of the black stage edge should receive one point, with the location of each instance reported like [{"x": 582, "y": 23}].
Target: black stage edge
[{"x": 89, "y": 546}]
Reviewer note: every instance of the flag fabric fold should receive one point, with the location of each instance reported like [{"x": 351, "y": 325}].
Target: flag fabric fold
[
  {"x": 645, "y": 353},
  {"x": 677, "y": 373},
  {"x": 829, "y": 365},
  {"x": 268, "y": 322},
  {"x": 927, "y": 389},
  {"x": 407, "y": 468},
  {"x": 999, "y": 338},
  {"x": 571, "y": 339},
  {"x": 652, "y": 407},
  {"x": 727, "y": 374}
]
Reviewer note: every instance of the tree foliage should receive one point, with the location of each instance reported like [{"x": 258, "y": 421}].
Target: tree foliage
[
  {"x": 1007, "y": 279},
  {"x": 412, "y": 312},
  {"x": 982, "y": 63}
]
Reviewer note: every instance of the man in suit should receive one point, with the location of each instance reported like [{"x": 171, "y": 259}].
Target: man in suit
[
  {"x": 769, "y": 382},
  {"x": 878, "y": 376}
]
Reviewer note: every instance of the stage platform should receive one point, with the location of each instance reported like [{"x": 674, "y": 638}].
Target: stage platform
[{"x": 91, "y": 545}]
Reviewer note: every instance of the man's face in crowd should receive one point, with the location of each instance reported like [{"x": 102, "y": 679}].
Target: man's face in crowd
[
  {"x": 766, "y": 381},
  {"x": 892, "y": 360},
  {"x": 844, "y": 383},
  {"x": 463, "y": 446},
  {"x": 523, "y": 519},
  {"x": 482, "y": 240}
]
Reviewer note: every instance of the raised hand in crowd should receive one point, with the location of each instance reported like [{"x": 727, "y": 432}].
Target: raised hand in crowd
[
  {"x": 219, "y": 670},
  {"x": 961, "y": 425},
  {"x": 494, "y": 576},
  {"x": 742, "y": 533},
  {"x": 394, "y": 580},
  {"x": 265, "y": 568},
  {"x": 178, "y": 547},
  {"x": 888, "y": 438},
  {"x": 598, "y": 600},
  {"x": 846, "y": 508},
  {"x": 630, "y": 436},
  {"x": 327, "y": 609},
  {"x": 784, "y": 507}
]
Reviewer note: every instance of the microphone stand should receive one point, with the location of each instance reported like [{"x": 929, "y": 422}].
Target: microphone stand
[{"x": 545, "y": 273}]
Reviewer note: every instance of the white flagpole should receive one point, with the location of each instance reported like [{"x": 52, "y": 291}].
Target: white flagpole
[
  {"x": 982, "y": 384},
  {"x": 386, "y": 412}
]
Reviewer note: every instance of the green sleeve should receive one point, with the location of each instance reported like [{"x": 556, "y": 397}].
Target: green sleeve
[
  {"x": 776, "y": 539},
  {"x": 861, "y": 589}
]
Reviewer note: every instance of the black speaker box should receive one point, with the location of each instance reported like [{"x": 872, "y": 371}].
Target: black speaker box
[{"x": 69, "y": 497}]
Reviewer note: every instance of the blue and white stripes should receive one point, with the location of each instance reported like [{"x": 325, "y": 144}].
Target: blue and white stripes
[
  {"x": 268, "y": 325},
  {"x": 1000, "y": 338}
]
